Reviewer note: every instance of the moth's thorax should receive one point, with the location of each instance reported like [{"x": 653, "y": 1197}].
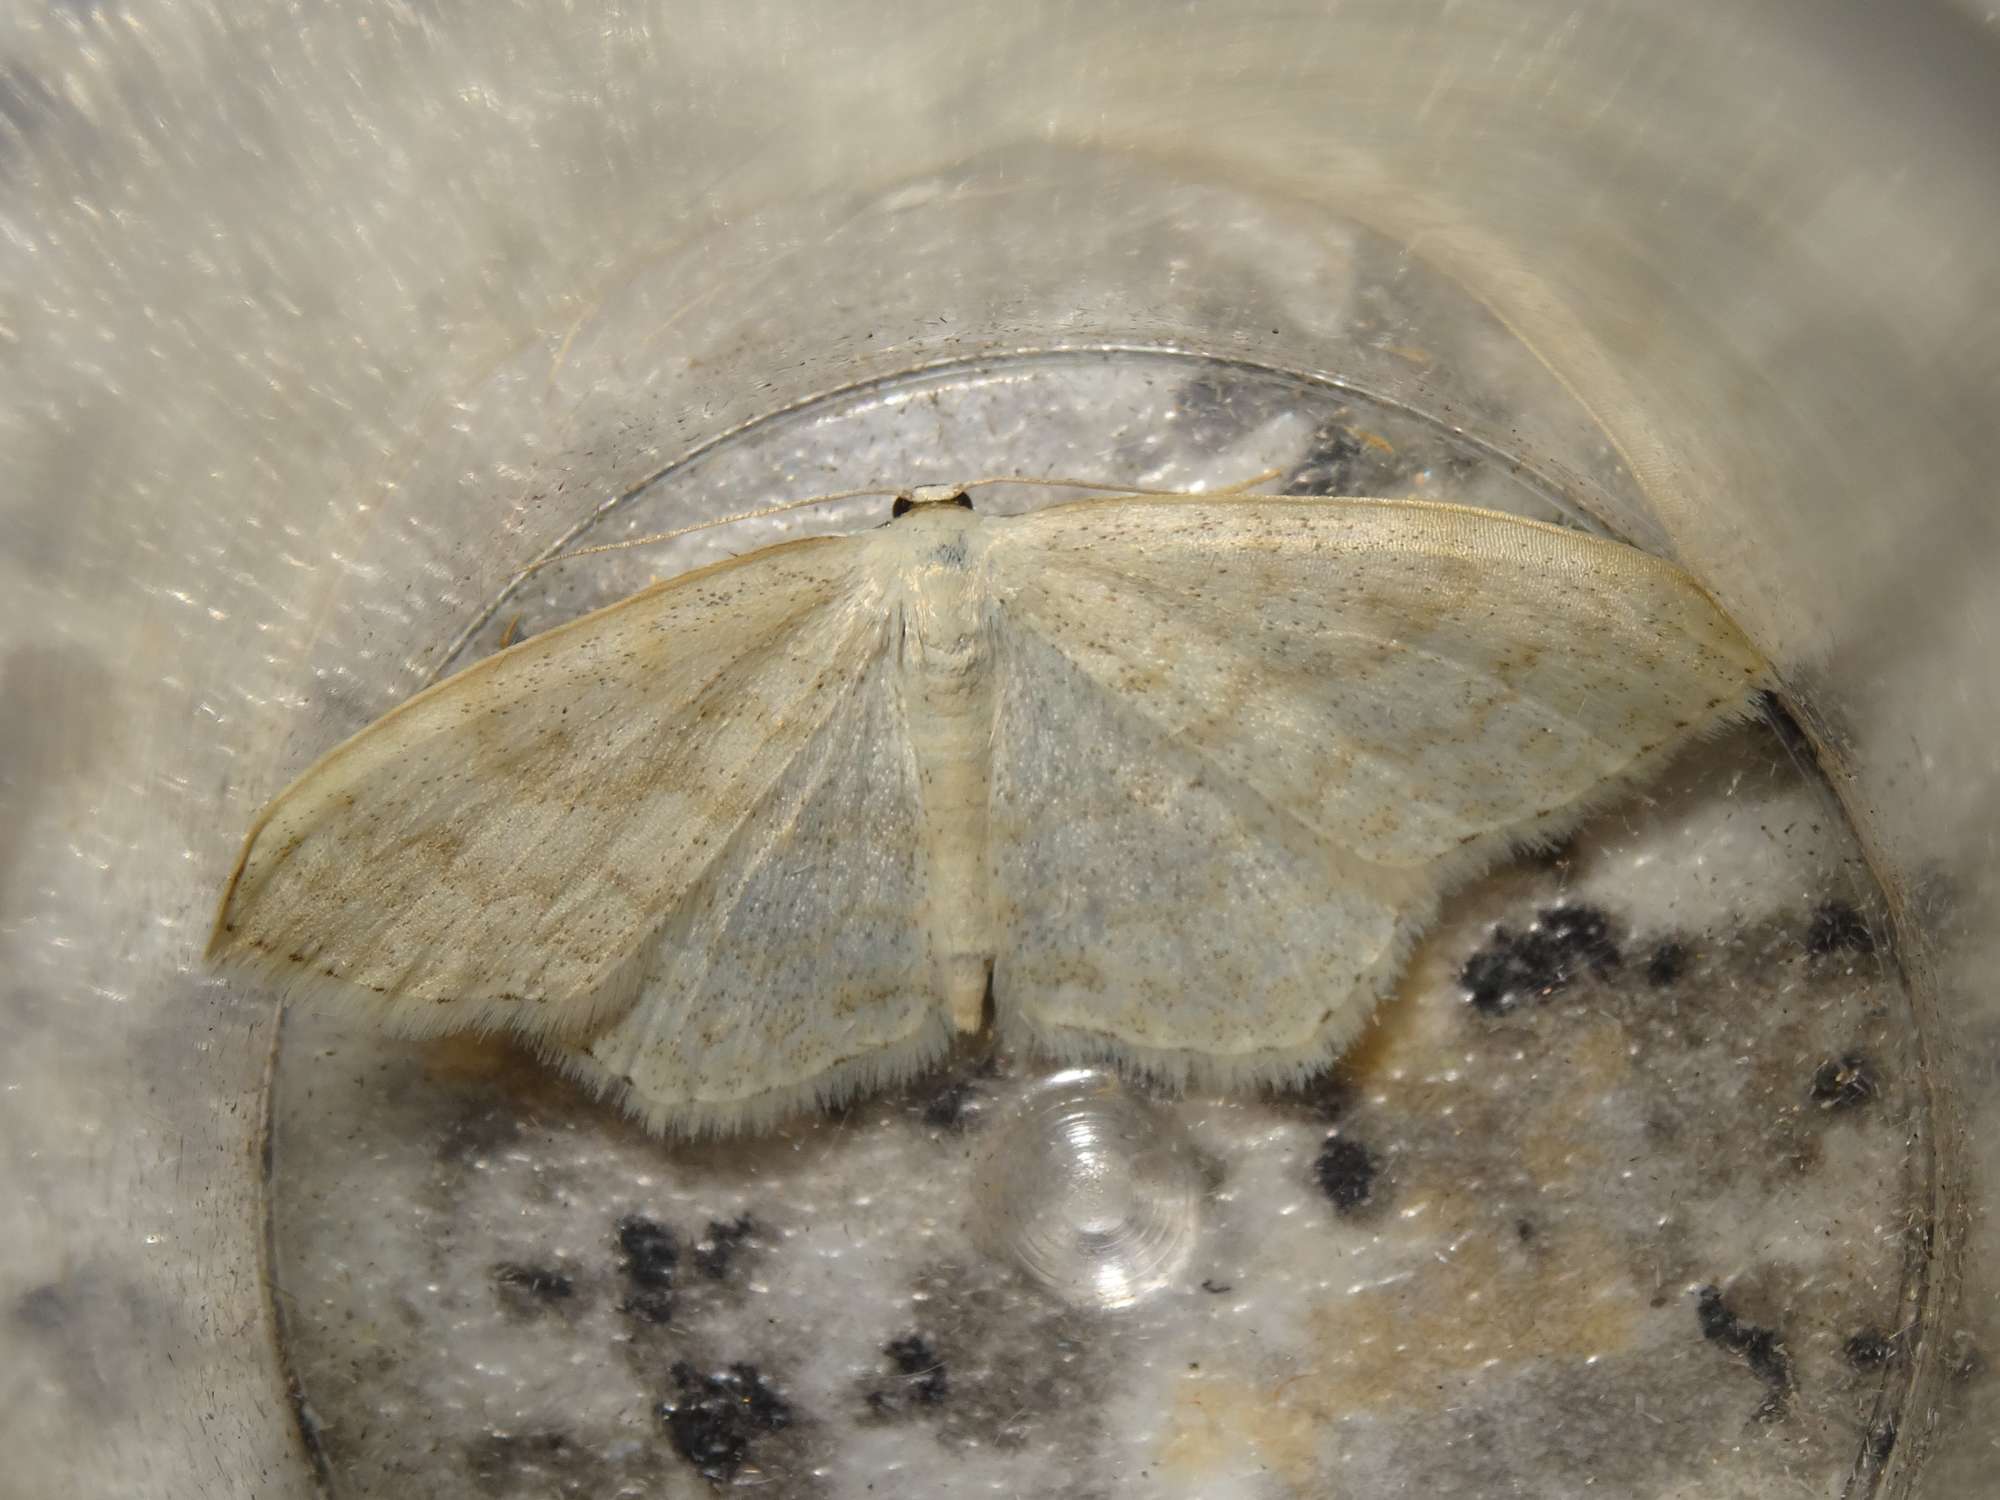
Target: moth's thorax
[{"x": 935, "y": 554}]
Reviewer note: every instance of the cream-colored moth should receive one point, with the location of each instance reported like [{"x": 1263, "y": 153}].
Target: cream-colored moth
[{"x": 1176, "y": 781}]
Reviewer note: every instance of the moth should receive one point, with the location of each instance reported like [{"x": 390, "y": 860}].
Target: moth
[{"x": 1173, "y": 782}]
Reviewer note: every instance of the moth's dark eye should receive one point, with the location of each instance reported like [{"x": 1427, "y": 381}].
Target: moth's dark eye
[
  {"x": 902, "y": 506},
  {"x": 963, "y": 500}
]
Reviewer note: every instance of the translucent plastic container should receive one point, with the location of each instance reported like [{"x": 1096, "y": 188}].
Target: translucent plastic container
[{"x": 321, "y": 326}]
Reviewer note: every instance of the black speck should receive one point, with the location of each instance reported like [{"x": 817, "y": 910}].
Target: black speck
[
  {"x": 1524, "y": 1230},
  {"x": 1346, "y": 1171},
  {"x": 1762, "y": 1350},
  {"x": 1836, "y": 927},
  {"x": 1869, "y": 1350},
  {"x": 1217, "y": 1288},
  {"x": 1669, "y": 961},
  {"x": 713, "y": 1419},
  {"x": 535, "y": 1281},
  {"x": 717, "y": 1249},
  {"x": 1844, "y": 1082},
  {"x": 1560, "y": 943}
]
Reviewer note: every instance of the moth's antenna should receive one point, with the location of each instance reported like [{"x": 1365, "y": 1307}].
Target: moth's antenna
[
  {"x": 668, "y": 536},
  {"x": 1237, "y": 488},
  {"x": 1244, "y": 485}
]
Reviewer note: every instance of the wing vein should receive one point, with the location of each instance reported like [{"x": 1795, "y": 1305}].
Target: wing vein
[
  {"x": 1127, "y": 705},
  {"x": 1201, "y": 624},
  {"x": 780, "y": 787}
]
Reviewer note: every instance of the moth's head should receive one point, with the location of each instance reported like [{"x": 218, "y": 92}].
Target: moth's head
[{"x": 927, "y": 495}]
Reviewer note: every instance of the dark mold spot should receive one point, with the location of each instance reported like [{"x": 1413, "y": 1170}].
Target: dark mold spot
[
  {"x": 949, "y": 1107},
  {"x": 1668, "y": 962},
  {"x": 1869, "y": 1350},
  {"x": 1882, "y": 1441},
  {"x": 1844, "y": 1082},
  {"x": 1023, "y": 1374},
  {"x": 41, "y": 1308},
  {"x": 1761, "y": 1348},
  {"x": 713, "y": 1419},
  {"x": 60, "y": 1330},
  {"x": 925, "y": 1381},
  {"x": 650, "y": 1254},
  {"x": 1524, "y": 1230},
  {"x": 538, "y": 1282},
  {"x": 914, "y": 1356},
  {"x": 1346, "y": 1172},
  {"x": 1327, "y": 1095},
  {"x": 1559, "y": 945},
  {"x": 714, "y": 1252},
  {"x": 651, "y": 1305},
  {"x": 1836, "y": 927},
  {"x": 1211, "y": 411},
  {"x": 1333, "y": 460},
  {"x": 1582, "y": 932}
]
